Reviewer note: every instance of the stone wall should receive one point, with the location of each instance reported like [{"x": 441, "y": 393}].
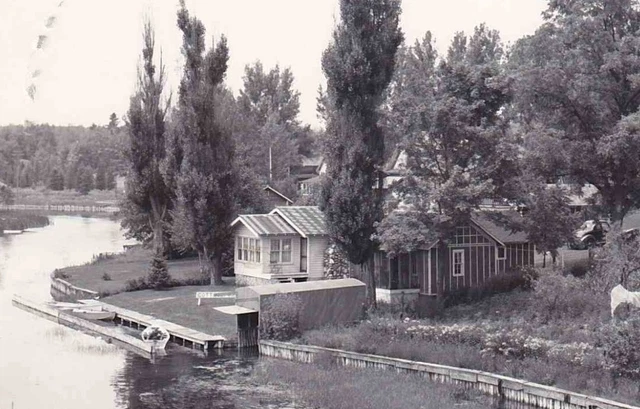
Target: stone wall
[
  {"x": 62, "y": 290},
  {"x": 510, "y": 389}
]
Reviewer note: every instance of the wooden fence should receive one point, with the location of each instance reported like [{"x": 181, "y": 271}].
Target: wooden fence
[{"x": 510, "y": 389}]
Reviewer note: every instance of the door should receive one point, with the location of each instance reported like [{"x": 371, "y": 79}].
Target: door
[{"x": 303, "y": 255}]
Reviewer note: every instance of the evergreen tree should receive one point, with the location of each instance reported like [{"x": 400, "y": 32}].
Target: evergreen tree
[
  {"x": 56, "y": 181},
  {"x": 359, "y": 65},
  {"x": 85, "y": 182}
]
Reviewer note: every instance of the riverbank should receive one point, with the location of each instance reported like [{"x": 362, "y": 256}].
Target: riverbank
[
  {"x": 21, "y": 221},
  {"x": 109, "y": 274},
  {"x": 557, "y": 339},
  {"x": 42, "y": 196}
]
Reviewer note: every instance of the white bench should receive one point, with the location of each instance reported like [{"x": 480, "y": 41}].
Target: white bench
[{"x": 213, "y": 294}]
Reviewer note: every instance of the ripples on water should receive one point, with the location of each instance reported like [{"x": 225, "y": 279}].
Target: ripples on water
[{"x": 44, "y": 365}]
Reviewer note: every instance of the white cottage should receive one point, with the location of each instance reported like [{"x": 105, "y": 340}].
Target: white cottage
[{"x": 288, "y": 244}]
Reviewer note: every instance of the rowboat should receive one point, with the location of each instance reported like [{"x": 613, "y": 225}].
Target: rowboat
[
  {"x": 93, "y": 314},
  {"x": 156, "y": 336}
]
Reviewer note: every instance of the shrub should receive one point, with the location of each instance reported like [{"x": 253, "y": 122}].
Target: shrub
[
  {"x": 279, "y": 317},
  {"x": 621, "y": 344},
  {"x": 60, "y": 274},
  {"x": 560, "y": 297},
  {"x": 106, "y": 277},
  {"x": 522, "y": 278},
  {"x": 136, "y": 284},
  {"x": 101, "y": 257},
  {"x": 158, "y": 276}
]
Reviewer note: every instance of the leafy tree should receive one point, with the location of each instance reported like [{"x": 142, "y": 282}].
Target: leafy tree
[
  {"x": 456, "y": 145},
  {"x": 101, "y": 178},
  {"x": 6, "y": 194},
  {"x": 147, "y": 202},
  {"x": 208, "y": 177},
  {"x": 358, "y": 64},
  {"x": 549, "y": 222},
  {"x": 577, "y": 90}
]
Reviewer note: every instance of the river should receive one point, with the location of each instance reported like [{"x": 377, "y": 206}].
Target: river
[{"x": 45, "y": 365}]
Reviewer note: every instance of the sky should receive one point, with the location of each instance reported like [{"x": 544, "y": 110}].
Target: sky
[{"x": 88, "y": 66}]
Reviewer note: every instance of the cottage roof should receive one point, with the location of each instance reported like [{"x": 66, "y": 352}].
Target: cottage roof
[
  {"x": 500, "y": 232},
  {"x": 306, "y": 220},
  {"x": 266, "y": 225}
]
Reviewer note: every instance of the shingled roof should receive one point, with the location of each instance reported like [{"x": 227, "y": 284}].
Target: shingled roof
[
  {"x": 266, "y": 225},
  {"x": 306, "y": 220},
  {"x": 499, "y": 232}
]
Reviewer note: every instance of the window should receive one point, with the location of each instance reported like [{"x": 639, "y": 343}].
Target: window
[
  {"x": 248, "y": 249},
  {"x": 458, "y": 263},
  {"x": 501, "y": 253},
  {"x": 467, "y": 235},
  {"x": 280, "y": 251}
]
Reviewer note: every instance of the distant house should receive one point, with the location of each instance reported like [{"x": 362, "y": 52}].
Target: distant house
[
  {"x": 477, "y": 251},
  {"x": 275, "y": 198},
  {"x": 307, "y": 174},
  {"x": 288, "y": 244}
]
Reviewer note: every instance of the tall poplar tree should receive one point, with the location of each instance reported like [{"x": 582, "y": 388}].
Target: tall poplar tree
[
  {"x": 146, "y": 205},
  {"x": 359, "y": 65},
  {"x": 206, "y": 183}
]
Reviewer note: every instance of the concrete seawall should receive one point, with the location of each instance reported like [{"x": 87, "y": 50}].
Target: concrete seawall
[
  {"x": 510, "y": 389},
  {"x": 62, "y": 290}
]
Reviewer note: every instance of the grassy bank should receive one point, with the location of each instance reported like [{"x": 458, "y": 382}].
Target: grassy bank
[
  {"x": 330, "y": 387},
  {"x": 42, "y": 196},
  {"x": 555, "y": 335},
  {"x": 21, "y": 221},
  {"x": 111, "y": 273}
]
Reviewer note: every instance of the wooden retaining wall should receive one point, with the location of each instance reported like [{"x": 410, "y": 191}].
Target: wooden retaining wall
[
  {"x": 511, "y": 389},
  {"x": 62, "y": 208}
]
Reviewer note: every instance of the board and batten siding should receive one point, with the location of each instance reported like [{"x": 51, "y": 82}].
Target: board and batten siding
[{"x": 315, "y": 254}]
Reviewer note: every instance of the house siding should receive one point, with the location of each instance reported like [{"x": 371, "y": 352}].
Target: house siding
[{"x": 315, "y": 255}]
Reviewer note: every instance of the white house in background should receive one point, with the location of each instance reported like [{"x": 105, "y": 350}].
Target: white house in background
[{"x": 286, "y": 245}]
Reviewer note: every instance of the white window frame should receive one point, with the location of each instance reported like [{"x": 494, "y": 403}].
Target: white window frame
[
  {"x": 280, "y": 251},
  {"x": 454, "y": 253},
  {"x": 248, "y": 250},
  {"x": 504, "y": 252}
]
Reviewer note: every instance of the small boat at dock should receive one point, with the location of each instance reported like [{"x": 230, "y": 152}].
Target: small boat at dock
[
  {"x": 86, "y": 309},
  {"x": 156, "y": 336},
  {"x": 93, "y": 314}
]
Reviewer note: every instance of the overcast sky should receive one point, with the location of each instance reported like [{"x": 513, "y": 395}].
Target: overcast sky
[{"x": 88, "y": 67}]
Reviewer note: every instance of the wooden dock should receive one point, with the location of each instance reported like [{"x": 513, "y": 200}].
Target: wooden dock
[
  {"x": 178, "y": 334},
  {"x": 110, "y": 333}
]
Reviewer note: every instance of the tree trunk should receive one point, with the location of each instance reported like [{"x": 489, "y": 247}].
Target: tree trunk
[
  {"x": 216, "y": 271},
  {"x": 442, "y": 265},
  {"x": 158, "y": 238},
  {"x": 370, "y": 275},
  {"x": 544, "y": 259}
]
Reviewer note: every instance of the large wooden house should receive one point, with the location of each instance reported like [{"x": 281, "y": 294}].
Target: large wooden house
[
  {"x": 476, "y": 252},
  {"x": 288, "y": 244}
]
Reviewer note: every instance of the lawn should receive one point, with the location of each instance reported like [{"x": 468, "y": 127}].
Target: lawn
[
  {"x": 108, "y": 274},
  {"x": 179, "y": 305}
]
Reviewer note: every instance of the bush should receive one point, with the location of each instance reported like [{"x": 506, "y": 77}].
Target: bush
[
  {"x": 279, "y": 317},
  {"x": 559, "y": 296},
  {"x": 60, "y": 274},
  {"x": 136, "y": 284},
  {"x": 621, "y": 344},
  {"x": 102, "y": 257},
  {"x": 106, "y": 277},
  {"x": 522, "y": 278}
]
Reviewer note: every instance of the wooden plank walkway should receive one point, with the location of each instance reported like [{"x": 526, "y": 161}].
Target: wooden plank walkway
[{"x": 179, "y": 334}]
